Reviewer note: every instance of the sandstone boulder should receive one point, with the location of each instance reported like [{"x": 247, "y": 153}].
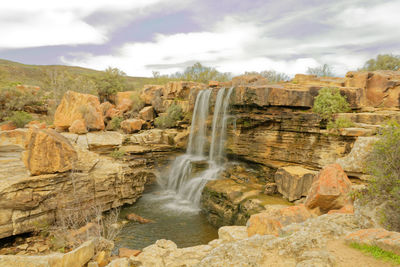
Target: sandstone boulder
[
  {"x": 131, "y": 125},
  {"x": 232, "y": 233},
  {"x": 330, "y": 189},
  {"x": 124, "y": 105},
  {"x": 213, "y": 84},
  {"x": 354, "y": 162},
  {"x": 8, "y": 126},
  {"x": 124, "y": 97},
  {"x": 126, "y": 252},
  {"x": 249, "y": 80},
  {"x": 293, "y": 182},
  {"x": 270, "y": 221},
  {"x": 152, "y": 94},
  {"x": 104, "y": 141},
  {"x": 180, "y": 90},
  {"x": 76, "y": 106},
  {"x": 105, "y": 107},
  {"x": 48, "y": 152},
  {"x": 147, "y": 114},
  {"x": 78, "y": 127}
]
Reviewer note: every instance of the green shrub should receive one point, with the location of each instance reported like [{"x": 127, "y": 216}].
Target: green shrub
[
  {"x": 116, "y": 123},
  {"x": 109, "y": 83},
  {"x": 12, "y": 99},
  {"x": 137, "y": 102},
  {"x": 383, "y": 165},
  {"x": 174, "y": 114},
  {"x": 383, "y": 62},
  {"x": 20, "y": 118},
  {"x": 328, "y": 102},
  {"x": 340, "y": 123}
]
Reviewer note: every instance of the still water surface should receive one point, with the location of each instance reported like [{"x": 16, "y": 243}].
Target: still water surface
[{"x": 172, "y": 220}]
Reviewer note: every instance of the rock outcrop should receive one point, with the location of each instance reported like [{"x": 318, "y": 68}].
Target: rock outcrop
[
  {"x": 76, "y": 106},
  {"x": 28, "y": 201},
  {"x": 294, "y": 182},
  {"x": 48, "y": 152},
  {"x": 271, "y": 220},
  {"x": 330, "y": 190}
]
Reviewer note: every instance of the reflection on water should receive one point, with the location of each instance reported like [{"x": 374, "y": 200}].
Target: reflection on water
[{"x": 174, "y": 219}]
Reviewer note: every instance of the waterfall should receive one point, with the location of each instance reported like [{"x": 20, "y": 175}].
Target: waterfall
[{"x": 180, "y": 180}]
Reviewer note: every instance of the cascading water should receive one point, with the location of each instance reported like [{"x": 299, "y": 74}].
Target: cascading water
[{"x": 187, "y": 189}]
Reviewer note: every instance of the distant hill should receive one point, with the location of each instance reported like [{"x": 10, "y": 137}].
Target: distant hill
[{"x": 14, "y": 72}]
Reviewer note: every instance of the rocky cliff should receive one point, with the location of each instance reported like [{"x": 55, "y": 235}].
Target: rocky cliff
[{"x": 94, "y": 179}]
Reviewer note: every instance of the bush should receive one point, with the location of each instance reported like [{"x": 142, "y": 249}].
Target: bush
[
  {"x": 328, "y": 102},
  {"x": 137, "y": 102},
  {"x": 383, "y": 62},
  {"x": 20, "y": 118},
  {"x": 174, "y": 114},
  {"x": 116, "y": 123},
  {"x": 339, "y": 123},
  {"x": 109, "y": 83},
  {"x": 383, "y": 165},
  {"x": 12, "y": 99}
]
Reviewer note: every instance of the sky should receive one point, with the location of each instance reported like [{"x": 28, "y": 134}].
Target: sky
[{"x": 142, "y": 36}]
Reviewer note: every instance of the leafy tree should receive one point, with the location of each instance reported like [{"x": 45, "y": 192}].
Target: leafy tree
[
  {"x": 109, "y": 83},
  {"x": 384, "y": 166},
  {"x": 321, "y": 71},
  {"x": 383, "y": 62},
  {"x": 328, "y": 102}
]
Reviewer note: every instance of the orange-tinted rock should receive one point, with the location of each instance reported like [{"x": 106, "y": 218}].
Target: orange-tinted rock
[
  {"x": 304, "y": 78},
  {"x": 249, "y": 80},
  {"x": 36, "y": 124},
  {"x": 126, "y": 252},
  {"x": 48, "y": 152},
  {"x": 136, "y": 218},
  {"x": 124, "y": 105},
  {"x": 381, "y": 88},
  {"x": 152, "y": 94},
  {"x": 178, "y": 90},
  {"x": 124, "y": 97},
  {"x": 147, "y": 113},
  {"x": 131, "y": 125},
  {"x": 270, "y": 221},
  {"x": 105, "y": 107},
  {"x": 76, "y": 106},
  {"x": 213, "y": 84},
  {"x": 347, "y": 209},
  {"x": 8, "y": 126},
  {"x": 330, "y": 189},
  {"x": 78, "y": 127},
  {"x": 113, "y": 112}
]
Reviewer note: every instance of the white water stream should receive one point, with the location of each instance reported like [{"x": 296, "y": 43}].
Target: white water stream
[{"x": 182, "y": 186}]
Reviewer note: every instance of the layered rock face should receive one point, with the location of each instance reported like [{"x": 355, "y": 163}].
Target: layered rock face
[
  {"x": 276, "y": 130},
  {"x": 95, "y": 181}
]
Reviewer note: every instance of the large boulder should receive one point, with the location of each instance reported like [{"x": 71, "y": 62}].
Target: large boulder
[
  {"x": 178, "y": 90},
  {"x": 354, "y": 162},
  {"x": 78, "y": 127},
  {"x": 330, "y": 189},
  {"x": 76, "y": 106},
  {"x": 152, "y": 94},
  {"x": 131, "y": 125},
  {"x": 270, "y": 221},
  {"x": 147, "y": 114},
  {"x": 48, "y": 152},
  {"x": 293, "y": 182}
]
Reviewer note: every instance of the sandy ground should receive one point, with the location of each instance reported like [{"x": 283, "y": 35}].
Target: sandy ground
[{"x": 350, "y": 257}]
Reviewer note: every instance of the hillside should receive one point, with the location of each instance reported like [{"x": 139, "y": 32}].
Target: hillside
[{"x": 14, "y": 72}]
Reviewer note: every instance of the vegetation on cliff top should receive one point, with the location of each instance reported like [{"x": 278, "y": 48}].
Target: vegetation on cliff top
[
  {"x": 174, "y": 114},
  {"x": 383, "y": 62},
  {"x": 328, "y": 102}
]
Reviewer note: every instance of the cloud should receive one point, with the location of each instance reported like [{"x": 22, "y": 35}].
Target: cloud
[{"x": 25, "y": 23}]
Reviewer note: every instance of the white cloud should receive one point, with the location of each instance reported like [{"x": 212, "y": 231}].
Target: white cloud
[
  {"x": 26, "y": 23},
  {"x": 348, "y": 32}
]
